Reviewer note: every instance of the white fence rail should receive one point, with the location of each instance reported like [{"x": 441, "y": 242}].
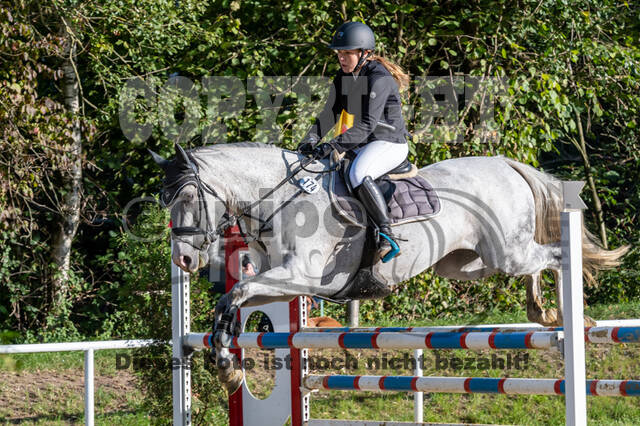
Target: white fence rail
[{"x": 88, "y": 348}]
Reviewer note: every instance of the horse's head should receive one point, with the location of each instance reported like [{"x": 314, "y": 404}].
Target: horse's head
[{"x": 195, "y": 206}]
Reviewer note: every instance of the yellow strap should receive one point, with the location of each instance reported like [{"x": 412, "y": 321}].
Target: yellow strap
[{"x": 344, "y": 123}]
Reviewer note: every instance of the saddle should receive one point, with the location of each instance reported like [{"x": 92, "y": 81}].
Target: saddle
[{"x": 410, "y": 198}]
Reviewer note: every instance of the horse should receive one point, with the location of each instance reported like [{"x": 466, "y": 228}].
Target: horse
[{"x": 496, "y": 215}]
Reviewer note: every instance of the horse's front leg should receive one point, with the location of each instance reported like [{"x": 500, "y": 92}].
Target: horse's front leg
[{"x": 276, "y": 285}]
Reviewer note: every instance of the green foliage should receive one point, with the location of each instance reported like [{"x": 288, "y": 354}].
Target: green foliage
[{"x": 35, "y": 133}]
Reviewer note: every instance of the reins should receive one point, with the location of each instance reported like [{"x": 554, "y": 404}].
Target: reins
[{"x": 227, "y": 220}]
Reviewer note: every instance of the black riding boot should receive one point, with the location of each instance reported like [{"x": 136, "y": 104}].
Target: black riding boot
[{"x": 373, "y": 200}]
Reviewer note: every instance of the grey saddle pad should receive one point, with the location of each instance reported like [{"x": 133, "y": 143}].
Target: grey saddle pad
[{"x": 413, "y": 200}]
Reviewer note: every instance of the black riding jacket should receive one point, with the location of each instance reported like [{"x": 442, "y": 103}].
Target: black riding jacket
[{"x": 373, "y": 98}]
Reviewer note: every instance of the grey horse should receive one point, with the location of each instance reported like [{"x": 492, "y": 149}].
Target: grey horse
[{"x": 497, "y": 215}]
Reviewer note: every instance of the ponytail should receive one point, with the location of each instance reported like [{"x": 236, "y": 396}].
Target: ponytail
[{"x": 401, "y": 77}]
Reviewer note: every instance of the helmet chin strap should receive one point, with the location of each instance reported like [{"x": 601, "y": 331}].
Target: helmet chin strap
[{"x": 363, "y": 58}]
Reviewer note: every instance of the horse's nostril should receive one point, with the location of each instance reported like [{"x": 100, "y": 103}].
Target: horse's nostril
[{"x": 186, "y": 261}]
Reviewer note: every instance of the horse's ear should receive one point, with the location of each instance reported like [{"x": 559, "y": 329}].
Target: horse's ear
[
  {"x": 163, "y": 163},
  {"x": 181, "y": 155}
]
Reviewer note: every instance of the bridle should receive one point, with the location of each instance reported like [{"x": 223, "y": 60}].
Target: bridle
[
  {"x": 228, "y": 219},
  {"x": 209, "y": 233}
]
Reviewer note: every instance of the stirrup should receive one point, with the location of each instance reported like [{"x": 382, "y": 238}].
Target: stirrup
[{"x": 395, "y": 249}]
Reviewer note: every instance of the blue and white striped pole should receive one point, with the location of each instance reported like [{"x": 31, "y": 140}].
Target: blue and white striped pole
[
  {"x": 446, "y": 340},
  {"x": 509, "y": 386}
]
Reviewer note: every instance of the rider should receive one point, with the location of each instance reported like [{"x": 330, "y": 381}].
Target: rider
[{"x": 365, "y": 110}]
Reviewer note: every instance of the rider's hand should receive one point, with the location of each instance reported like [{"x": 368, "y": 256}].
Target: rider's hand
[
  {"x": 305, "y": 148},
  {"x": 308, "y": 143},
  {"x": 322, "y": 151}
]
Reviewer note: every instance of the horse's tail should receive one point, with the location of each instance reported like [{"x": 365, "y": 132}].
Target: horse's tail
[{"x": 547, "y": 193}]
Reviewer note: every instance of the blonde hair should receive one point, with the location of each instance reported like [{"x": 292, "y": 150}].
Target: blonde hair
[{"x": 396, "y": 71}]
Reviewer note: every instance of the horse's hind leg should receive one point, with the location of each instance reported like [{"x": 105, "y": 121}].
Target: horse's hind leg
[
  {"x": 557, "y": 275},
  {"x": 530, "y": 260},
  {"x": 552, "y": 317},
  {"x": 535, "y": 309}
]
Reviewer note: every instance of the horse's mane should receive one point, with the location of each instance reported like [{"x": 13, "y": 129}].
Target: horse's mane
[
  {"x": 177, "y": 169},
  {"x": 221, "y": 147},
  {"x": 178, "y": 173}
]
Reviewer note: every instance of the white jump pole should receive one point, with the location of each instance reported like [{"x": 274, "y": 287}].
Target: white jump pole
[
  {"x": 574, "y": 357},
  {"x": 180, "y": 363},
  {"x": 88, "y": 388},
  {"x": 418, "y": 397}
]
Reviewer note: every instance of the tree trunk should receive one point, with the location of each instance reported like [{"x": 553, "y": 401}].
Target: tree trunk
[
  {"x": 581, "y": 145},
  {"x": 592, "y": 185},
  {"x": 69, "y": 208}
]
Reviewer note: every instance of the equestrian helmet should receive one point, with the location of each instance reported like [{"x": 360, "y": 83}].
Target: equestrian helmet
[{"x": 353, "y": 35}]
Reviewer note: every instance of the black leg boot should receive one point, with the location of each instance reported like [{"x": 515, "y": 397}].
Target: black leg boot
[{"x": 373, "y": 200}]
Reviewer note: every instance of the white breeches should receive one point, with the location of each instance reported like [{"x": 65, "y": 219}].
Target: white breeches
[{"x": 375, "y": 159}]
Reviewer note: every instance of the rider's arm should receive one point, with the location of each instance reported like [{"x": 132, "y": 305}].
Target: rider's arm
[
  {"x": 328, "y": 117},
  {"x": 379, "y": 87}
]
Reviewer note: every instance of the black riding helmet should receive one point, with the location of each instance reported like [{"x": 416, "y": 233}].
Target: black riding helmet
[{"x": 354, "y": 35}]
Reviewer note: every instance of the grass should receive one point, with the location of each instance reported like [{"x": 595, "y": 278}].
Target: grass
[{"x": 47, "y": 388}]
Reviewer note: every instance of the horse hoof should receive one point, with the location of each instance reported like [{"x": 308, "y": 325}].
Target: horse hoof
[
  {"x": 546, "y": 318},
  {"x": 223, "y": 339},
  {"x": 589, "y": 322},
  {"x": 231, "y": 381}
]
